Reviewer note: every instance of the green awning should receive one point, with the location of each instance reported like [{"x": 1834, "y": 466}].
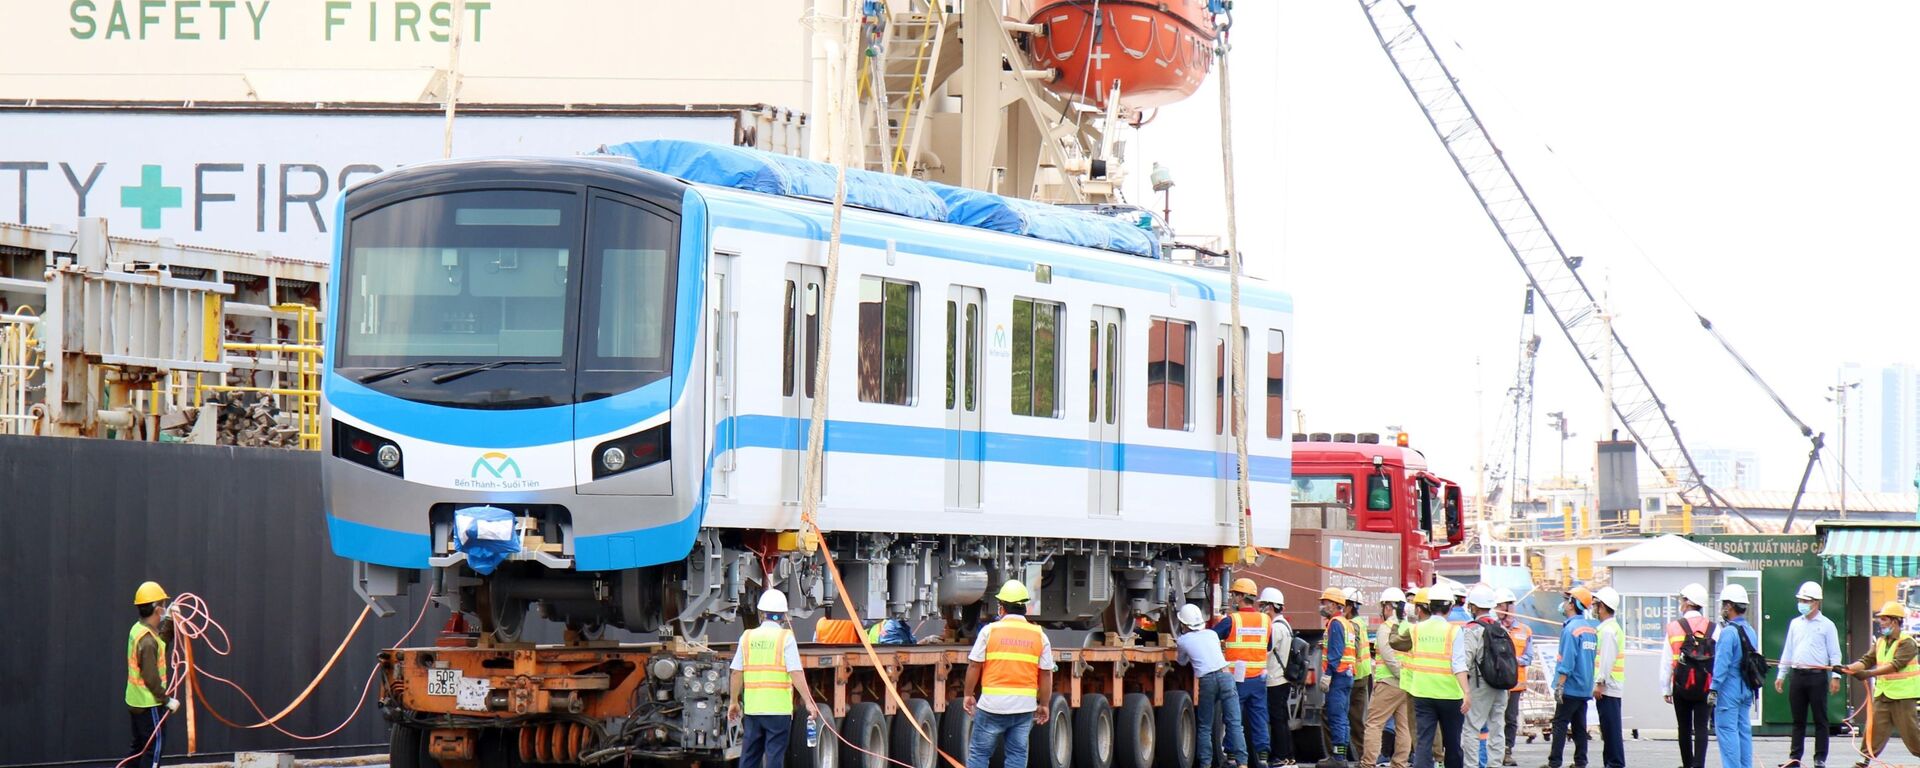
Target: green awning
[{"x": 1871, "y": 552}]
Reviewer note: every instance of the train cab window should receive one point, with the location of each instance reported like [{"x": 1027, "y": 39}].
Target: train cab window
[
  {"x": 1036, "y": 358},
  {"x": 886, "y": 341},
  {"x": 1169, "y": 348},
  {"x": 1276, "y": 371},
  {"x": 626, "y": 337}
]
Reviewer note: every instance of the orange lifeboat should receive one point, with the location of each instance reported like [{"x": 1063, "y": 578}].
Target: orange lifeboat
[{"x": 1156, "y": 52}]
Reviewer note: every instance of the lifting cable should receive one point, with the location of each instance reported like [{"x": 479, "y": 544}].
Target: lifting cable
[{"x": 1238, "y": 331}]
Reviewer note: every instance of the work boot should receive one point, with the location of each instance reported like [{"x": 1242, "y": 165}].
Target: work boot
[
  {"x": 1260, "y": 757},
  {"x": 1507, "y": 759},
  {"x": 1338, "y": 759}
]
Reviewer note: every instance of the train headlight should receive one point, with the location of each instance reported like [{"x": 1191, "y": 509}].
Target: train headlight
[
  {"x": 388, "y": 456},
  {"x": 613, "y": 459},
  {"x": 367, "y": 449},
  {"x": 631, "y": 452}
]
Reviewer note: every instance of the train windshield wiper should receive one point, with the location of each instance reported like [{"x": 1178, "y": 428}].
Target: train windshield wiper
[
  {"x": 464, "y": 372},
  {"x": 391, "y": 372}
]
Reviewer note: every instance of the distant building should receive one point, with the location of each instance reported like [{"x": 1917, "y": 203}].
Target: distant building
[
  {"x": 1728, "y": 469},
  {"x": 1883, "y": 426}
]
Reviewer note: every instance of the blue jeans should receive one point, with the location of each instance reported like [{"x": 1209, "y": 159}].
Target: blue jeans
[
  {"x": 1217, "y": 694},
  {"x": 1339, "y": 705},
  {"x": 1439, "y": 718},
  {"x": 1613, "y": 740},
  {"x": 1253, "y": 710},
  {"x": 764, "y": 740},
  {"x": 1732, "y": 729},
  {"x": 988, "y": 728}
]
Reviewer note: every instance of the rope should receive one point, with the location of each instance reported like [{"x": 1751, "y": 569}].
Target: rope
[{"x": 1237, "y": 330}]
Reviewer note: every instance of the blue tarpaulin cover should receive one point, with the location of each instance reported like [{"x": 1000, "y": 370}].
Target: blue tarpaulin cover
[
  {"x": 974, "y": 208},
  {"x": 488, "y": 535}
]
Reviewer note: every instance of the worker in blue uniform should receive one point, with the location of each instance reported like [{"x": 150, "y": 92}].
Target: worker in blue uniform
[
  {"x": 1246, "y": 635},
  {"x": 1732, "y": 695},
  {"x": 1573, "y": 678}
]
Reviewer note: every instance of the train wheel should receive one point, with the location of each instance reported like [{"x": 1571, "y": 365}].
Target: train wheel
[
  {"x": 825, "y": 754},
  {"x": 1093, "y": 732},
  {"x": 907, "y": 746},
  {"x": 865, "y": 731},
  {"x": 1134, "y": 734},
  {"x": 1179, "y": 732},
  {"x": 1051, "y": 745},
  {"x": 955, "y": 726}
]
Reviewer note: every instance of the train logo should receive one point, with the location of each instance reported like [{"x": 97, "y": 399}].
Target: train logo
[{"x": 496, "y": 464}]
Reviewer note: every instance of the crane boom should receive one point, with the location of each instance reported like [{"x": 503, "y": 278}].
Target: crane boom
[
  {"x": 1549, "y": 269},
  {"x": 1513, "y": 438}
]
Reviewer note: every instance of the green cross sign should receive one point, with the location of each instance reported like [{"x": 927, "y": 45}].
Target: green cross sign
[{"x": 151, "y": 197}]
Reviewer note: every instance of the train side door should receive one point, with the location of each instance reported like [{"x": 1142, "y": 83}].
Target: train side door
[
  {"x": 1105, "y": 339},
  {"x": 800, "y": 355},
  {"x": 966, "y": 319}
]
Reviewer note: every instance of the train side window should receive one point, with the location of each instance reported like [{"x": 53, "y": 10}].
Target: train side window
[
  {"x": 786, "y": 339},
  {"x": 1276, "y": 385},
  {"x": 886, "y": 341},
  {"x": 972, "y": 381},
  {"x": 1169, "y": 348},
  {"x": 1222, "y": 364},
  {"x": 1036, "y": 358},
  {"x": 953, "y": 348},
  {"x": 1093, "y": 371}
]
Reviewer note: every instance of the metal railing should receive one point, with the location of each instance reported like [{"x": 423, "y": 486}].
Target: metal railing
[{"x": 18, "y": 349}]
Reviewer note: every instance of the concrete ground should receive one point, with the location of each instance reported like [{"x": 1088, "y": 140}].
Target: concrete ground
[{"x": 1768, "y": 752}]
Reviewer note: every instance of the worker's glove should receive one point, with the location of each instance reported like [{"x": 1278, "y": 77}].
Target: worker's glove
[
  {"x": 1325, "y": 682},
  {"x": 1712, "y": 698},
  {"x": 173, "y": 705}
]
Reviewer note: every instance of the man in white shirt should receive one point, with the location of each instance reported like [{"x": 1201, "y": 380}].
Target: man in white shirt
[
  {"x": 1610, "y": 678},
  {"x": 766, "y": 674},
  {"x": 1806, "y": 673},
  {"x": 1201, "y": 649}
]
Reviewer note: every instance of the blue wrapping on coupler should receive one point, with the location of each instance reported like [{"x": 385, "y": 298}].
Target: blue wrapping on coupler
[{"x": 488, "y": 536}]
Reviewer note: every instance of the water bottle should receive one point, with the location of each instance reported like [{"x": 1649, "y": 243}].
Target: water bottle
[{"x": 813, "y": 732}]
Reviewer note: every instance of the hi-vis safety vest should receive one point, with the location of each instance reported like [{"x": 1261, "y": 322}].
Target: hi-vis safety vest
[
  {"x": 1381, "y": 671},
  {"x": 1522, "y": 636},
  {"x": 137, "y": 693},
  {"x": 1363, "y": 661},
  {"x": 1901, "y": 684},
  {"x": 1619, "y": 671},
  {"x": 1252, "y": 633},
  {"x": 1013, "y": 658},
  {"x": 769, "y": 687},
  {"x": 1426, "y": 672}
]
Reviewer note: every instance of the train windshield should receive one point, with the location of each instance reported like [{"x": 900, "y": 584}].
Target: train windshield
[{"x": 474, "y": 298}]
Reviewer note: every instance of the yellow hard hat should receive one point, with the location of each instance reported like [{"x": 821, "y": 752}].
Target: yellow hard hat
[
  {"x": 1245, "y": 586},
  {"x": 1420, "y": 596},
  {"x": 1334, "y": 594},
  {"x": 149, "y": 592},
  {"x": 1013, "y": 592},
  {"x": 1893, "y": 610}
]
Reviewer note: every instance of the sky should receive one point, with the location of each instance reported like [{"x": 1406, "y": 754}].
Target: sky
[{"x": 1755, "y": 163}]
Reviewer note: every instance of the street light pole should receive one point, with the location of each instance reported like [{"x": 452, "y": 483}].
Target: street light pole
[
  {"x": 1839, "y": 399},
  {"x": 1558, "y": 421}
]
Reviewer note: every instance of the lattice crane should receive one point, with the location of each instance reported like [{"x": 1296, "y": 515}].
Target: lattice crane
[{"x": 1513, "y": 438}]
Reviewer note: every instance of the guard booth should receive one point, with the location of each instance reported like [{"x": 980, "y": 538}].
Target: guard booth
[
  {"x": 1868, "y": 561},
  {"x": 1649, "y": 576}
]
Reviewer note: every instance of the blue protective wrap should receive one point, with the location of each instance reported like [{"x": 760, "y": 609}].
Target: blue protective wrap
[
  {"x": 765, "y": 172},
  {"x": 974, "y": 208},
  {"x": 488, "y": 536}
]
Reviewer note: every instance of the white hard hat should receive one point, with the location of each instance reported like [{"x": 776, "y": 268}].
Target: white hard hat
[
  {"x": 1271, "y": 596},
  {"x": 1810, "y": 591},
  {"x": 773, "y": 601},
  {"x": 1609, "y": 596},
  {"x": 1694, "y": 593},
  {"x": 1482, "y": 596},
  {"x": 1503, "y": 595},
  {"x": 1734, "y": 593},
  {"x": 1392, "y": 595},
  {"x": 1354, "y": 594},
  {"x": 1439, "y": 593},
  {"x": 1191, "y": 616}
]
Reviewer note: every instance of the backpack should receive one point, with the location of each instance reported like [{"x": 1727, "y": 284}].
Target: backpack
[
  {"x": 1693, "y": 666},
  {"x": 1498, "y": 665},
  {"x": 1753, "y": 666},
  {"x": 1296, "y": 669}
]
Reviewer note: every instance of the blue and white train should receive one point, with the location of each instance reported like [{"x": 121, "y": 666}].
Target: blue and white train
[{"x": 589, "y": 379}]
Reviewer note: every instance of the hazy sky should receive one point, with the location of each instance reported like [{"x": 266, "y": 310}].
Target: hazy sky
[{"x": 1762, "y": 154}]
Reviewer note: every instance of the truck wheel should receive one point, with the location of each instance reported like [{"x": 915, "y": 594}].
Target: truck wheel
[
  {"x": 955, "y": 726},
  {"x": 1134, "y": 734},
  {"x": 405, "y": 747},
  {"x": 1093, "y": 732},
  {"x": 1051, "y": 745},
  {"x": 826, "y": 754},
  {"x": 907, "y": 746},
  {"x": 1178, "y": 731},
  {"x": 865, "y": 731}
]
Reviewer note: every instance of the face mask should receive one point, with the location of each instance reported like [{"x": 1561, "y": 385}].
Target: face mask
[
  {"x": 1325, "y": 612},
  {"x": 1803, "y": 608},
  {"x": 1880, "y": 630}
]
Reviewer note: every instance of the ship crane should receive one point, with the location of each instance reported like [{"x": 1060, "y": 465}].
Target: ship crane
[{"x": 1513, "y": 438}]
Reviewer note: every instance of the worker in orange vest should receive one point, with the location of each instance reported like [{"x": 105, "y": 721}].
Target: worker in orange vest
[
  {"x": 1012, "y": 668},
  {"x": 1339, "y": 646},
  {"x": 1246, "y": 635},
  {"x": 1687, "y": 675},
  {"x": 1522, "y": 635}
]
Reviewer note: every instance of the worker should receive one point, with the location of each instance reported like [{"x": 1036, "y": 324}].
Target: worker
[
  {"x": 1363, "y": 667},
  {"x": 1484, "y": 735},
  {"x": 1686, "y": 674},
  {"x": 1247, "y": 634},
  {"x": 1610, "y": 677},
  {"x": 1013, "y": 671},
  {"x": 766, "y": 674},
  {"x": 1202, "y": 651},
  {"x": 1434, "y": 676},
  {"x": 1339, "y": 656},
  {"x": 1279, "y": 688},
  {"x": 1522, "y": 634},
  {"x": 1732, "y": 694},
  {"x": 1573, "y": 677},
  {"x": 1807, "y": 675},
  {"x": 1390, "y": 702},
  {"x": 148, "y": 702},
  {"x": 1892, "y": 659}
]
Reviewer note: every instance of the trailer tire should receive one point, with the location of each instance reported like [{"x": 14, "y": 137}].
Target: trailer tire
[
  {"x": 955, "y": 726},
  {"x": 824, "y": 755},
  {"x": 1051, "y": 745},
  {"x": 407, "y": 748},
  {"x": 1134, "y": 734},
  {"x": 1093, "y": 732},
  {"x": 1179, "y": 732},
  {"x": 906, "y": 745},
  {"x": 866, "y": 737}
]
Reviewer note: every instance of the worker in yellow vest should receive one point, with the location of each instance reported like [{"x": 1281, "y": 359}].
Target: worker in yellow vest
[
  {"x": 1434, "y": 675},
  {"x": 1363, "y": 667},
  {"x": 1895, "y": 661},
  {"x": 1389, "y": 700},
  {"x": 1610, "y": 677},
  {"x": 1522, "y": 634},
  {"x": 1012, "y": 668},
  {"x": 148, "y": 702},
  {"x": 1245, "y": 636},
  {"x": 766, "y": 675}
]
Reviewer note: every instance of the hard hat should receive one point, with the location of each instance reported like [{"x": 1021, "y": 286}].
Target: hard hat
[
  {"x": 1244, "y": 586},
  {"x": 149, "y": 592},
  {"x": 1503, "y": 595},
  {"x": 1810, "y": 591},
  {"x": 1892, "y": 609},
  {"x": 1694, "y": 593},
  {"x": 1582, "y": 596},
  {"x": 1013, "y": 592},
  {"x": 1334, "y": 595},
  {"x": 1420, "y": 596},
  {"x": 1191, "y": 616},
  {"x": 1354, "y": 594},
  {"x": 1272, "y": 596},
  {"x": 1734, "y": 593},
  {"x": 1392, "y": 595},
  {"x": 1482, "y": 596},
  {"x": 1439, "y": 593},
  {"x": 773, "y": 601},
  {"x": 1609, "y": 596}
]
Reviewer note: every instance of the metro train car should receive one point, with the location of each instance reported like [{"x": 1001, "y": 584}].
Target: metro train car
[{"x": 584, "y": 384}]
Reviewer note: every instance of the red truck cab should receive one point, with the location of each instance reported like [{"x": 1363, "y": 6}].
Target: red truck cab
[{"x": 1384, "y": 488}]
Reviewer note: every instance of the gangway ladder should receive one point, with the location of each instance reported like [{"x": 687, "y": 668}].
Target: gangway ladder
[
  {"x": 1551, "y": 272},
  {"x": 897, "y": 85}
]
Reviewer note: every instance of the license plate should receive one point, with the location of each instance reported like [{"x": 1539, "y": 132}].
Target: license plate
[{"x": 443, "y": 682}]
